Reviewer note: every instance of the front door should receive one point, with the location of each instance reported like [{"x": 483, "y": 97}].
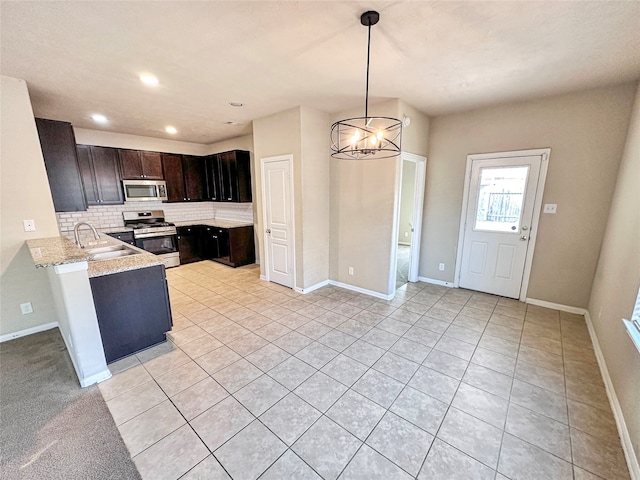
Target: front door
[
  {"x": 278, "y": 219},
  {"x": 499, "y": 214}
]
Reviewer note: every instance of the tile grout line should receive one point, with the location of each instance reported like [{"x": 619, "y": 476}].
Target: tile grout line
[{"x": 386, "y": 350}]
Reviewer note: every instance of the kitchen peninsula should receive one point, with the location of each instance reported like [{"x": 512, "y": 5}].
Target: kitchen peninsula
[{"x": 101, "y": 298}]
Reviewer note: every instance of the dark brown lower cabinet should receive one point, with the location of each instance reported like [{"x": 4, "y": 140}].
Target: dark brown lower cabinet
[
  {"x": 239, "y": 248},
  {"x": 232, "y": 246},
  {"x": 190, "y": 244},
  {"x": 133, "y": 310},
  {"x": 215, "y": 242}
]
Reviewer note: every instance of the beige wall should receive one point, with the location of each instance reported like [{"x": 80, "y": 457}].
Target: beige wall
[
  {"x": 244, "y": 142},
  {"x": 301, "y": 132},
  {"x": 25, "y": 194},
  {"x": 315, "y": 196},
  {"x": 362, "y": 202},
  {"x": 363, "y": 199},
  {"x": 122, "y": 140},
  {"x": 617, "y": 280},
  {"x": 275, "y": 135},
  {"x": 415, "y": 137},
  {"x": 586, "y": 132}
]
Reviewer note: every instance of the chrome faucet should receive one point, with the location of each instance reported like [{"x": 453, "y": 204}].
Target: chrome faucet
[{"x": 76, "y": 230}]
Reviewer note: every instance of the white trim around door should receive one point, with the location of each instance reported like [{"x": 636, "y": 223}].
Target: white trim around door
[
  {"x": 544, "y": 153},
  {"x": 287, "y": 232}
]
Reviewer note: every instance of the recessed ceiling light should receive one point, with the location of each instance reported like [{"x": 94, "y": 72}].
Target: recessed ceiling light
[
  {"x": 149, "y": 79},
  {"x": 171, "y": 130},
  {"x": 236, "y": 104},
  {"x": 99, "y": 118}
]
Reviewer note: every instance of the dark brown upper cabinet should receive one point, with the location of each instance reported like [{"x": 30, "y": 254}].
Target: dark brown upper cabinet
[
  {"x": 137, "y": 164},
  {"x": 185, "y": 177},
  {"x": 194, "y": 178},
  {"x": 58, "y": 145},
  {"x": 229, "y": 176},
  {"x": 100, "y": 172},
  {"x": 172, "y": 168},
  {"x": 212, "y": 165}
]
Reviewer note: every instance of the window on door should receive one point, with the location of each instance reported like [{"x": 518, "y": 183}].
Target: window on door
[{"x": 500, "y": 198}]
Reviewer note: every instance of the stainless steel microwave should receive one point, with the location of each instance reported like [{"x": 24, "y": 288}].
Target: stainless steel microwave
[{"x": 144, "y": 190}]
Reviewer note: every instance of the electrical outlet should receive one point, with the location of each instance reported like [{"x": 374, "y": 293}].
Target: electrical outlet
[
  {"x": 26, "y": 308},
  {"x": 441, "y": 267},
  {"x": 350, "y": 270},
  {"x": 29, "y": 225},
  {"x": 550, "y": 208},
  {"x": 406, "y": 234}
]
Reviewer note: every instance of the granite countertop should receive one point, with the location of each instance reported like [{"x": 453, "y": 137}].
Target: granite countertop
[
  {"x": 52, "y": 251},
  {"x": 211, "y": 222}
]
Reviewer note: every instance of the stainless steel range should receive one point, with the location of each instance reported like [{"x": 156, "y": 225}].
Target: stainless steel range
[{"x": 153, "y": 234}]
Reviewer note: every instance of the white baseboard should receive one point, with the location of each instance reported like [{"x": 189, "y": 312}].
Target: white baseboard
[
  {"x": 263, "y": 277},
  {"x": 623, "y": 431},
  {"x": 97, "y": 378},
  {"x": 556, "y": 306},
  {"x": 27, "y": 331},
  {"x": 437, "y": 282},
  {"x": 312, "y": 287},
  {"x": 361, "y": 290}
]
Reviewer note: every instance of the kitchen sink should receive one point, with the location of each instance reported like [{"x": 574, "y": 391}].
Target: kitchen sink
[{"x": 112, "y": 251}]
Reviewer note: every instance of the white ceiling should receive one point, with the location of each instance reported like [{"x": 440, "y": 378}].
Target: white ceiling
[{"x": 79, "y": 58}]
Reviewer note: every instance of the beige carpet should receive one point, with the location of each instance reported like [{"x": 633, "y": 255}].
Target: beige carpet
[{"x": 50, "y": 428}]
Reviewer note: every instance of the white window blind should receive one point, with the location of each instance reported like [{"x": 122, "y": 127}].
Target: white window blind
[{"x": 633, "y": 325}]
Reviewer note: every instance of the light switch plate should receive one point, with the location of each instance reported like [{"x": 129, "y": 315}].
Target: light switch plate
[
  {"x": 26, "y": 308},
  {"x": 550, "y": 208}
]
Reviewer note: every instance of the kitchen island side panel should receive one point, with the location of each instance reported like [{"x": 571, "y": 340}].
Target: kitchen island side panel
[{"x": 133, "y": 310}]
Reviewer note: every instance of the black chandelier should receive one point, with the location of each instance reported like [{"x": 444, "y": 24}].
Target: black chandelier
[{"x": 366, "y": 138}]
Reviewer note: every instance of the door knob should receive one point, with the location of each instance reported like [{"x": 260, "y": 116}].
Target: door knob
[
  {"x": 268, "y": 230},
  {"x": 523, "y": 237}
]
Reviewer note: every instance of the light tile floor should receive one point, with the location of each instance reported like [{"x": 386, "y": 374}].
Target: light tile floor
[{"x": 261, "y": 382}]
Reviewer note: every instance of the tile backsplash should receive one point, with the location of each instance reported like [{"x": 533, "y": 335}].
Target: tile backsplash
[{"x": 109, "y": 217}]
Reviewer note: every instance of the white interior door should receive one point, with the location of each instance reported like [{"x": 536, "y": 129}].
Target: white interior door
[
  {"x": 498, "y": 225},
  {"x": 278, "y": 219}
]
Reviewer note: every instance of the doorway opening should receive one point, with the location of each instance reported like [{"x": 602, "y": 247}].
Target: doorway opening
[{"x": 411, "y": 171}]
